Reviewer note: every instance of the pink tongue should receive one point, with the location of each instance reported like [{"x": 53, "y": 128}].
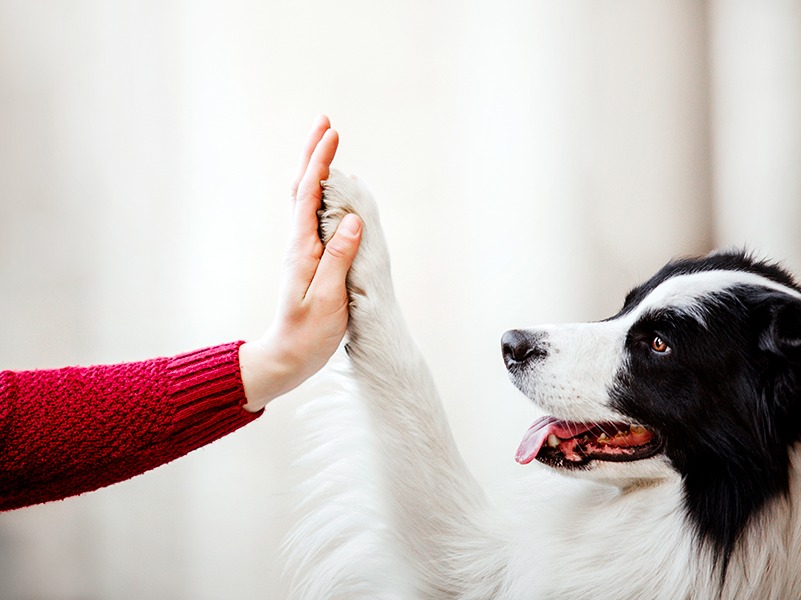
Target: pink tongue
[{"x": 538, "y": 433}]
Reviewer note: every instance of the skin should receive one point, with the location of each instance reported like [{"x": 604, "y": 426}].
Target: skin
[{"x": 312, "y": 313}]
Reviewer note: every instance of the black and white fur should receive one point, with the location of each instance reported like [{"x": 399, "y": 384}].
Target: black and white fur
[{"x": 390, "y": 510}]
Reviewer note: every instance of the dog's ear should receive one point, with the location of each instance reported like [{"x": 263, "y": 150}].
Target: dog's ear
[{"x": 782, "y": 333}]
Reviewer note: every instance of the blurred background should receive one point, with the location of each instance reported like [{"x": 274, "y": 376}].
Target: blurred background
[{"x": 533, "y": 160}]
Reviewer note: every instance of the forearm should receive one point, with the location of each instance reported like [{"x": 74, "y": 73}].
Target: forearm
[
  {"x": 73, "y": 430},
  {"x": 68, "y": 431}
]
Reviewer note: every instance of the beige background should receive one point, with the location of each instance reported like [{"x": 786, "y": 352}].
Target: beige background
[{"x": 533, "y": 161}]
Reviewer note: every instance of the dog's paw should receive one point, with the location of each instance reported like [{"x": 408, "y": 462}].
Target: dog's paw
[
  {"x": 344, "y": 194},
  {"x": 369, "y": 276}
]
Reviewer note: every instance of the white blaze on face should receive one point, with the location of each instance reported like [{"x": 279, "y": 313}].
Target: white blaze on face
[
  {"x": 685, "y": 292},
  {"x": 574, "y": 380}
]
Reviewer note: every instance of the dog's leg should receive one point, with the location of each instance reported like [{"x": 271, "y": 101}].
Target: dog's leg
[{"x": 438, "y": 505}]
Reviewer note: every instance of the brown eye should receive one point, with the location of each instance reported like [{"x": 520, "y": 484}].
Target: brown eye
[{"x": 659, "y": 345}]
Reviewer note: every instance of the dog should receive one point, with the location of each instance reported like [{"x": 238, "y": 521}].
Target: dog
[{"x": 667, "y": 466}]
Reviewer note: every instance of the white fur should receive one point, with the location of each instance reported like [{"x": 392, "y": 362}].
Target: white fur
[
  {"x": 683, "y": 291},
  {"x": 393, "y": 512}
]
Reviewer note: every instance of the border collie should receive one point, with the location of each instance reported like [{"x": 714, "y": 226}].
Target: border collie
[{"x": 667, "y": 467}]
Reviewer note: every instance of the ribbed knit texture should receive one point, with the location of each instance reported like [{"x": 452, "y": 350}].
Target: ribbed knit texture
[{"x": 68, "y": 431}]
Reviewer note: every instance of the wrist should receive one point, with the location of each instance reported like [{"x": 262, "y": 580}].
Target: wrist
[
  {"x": 269, "y": 370},
  {"x": 262, "y": 375}
]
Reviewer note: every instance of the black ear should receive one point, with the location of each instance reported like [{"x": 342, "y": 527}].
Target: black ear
[{"x": 782, "y": 334}]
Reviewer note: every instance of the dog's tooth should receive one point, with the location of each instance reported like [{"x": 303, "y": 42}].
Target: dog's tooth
[
  {"x": 603, "y": 439},
  {"x": 637, "y": 429},
  {"x": 553, "y": 441}
]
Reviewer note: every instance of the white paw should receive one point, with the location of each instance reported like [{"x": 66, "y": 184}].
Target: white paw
[{"x": 369, "y": 276}]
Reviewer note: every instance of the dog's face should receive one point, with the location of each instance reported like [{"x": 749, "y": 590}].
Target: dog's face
[
  {"x": 698, "y": 377},
  {"x": 697, "y": 372}
]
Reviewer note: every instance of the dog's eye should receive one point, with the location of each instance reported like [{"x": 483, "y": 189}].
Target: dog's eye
[{"x": 659, "y": 345}]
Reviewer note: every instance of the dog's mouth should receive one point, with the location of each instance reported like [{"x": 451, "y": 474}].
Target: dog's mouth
[{"x": 566, "y": 444}]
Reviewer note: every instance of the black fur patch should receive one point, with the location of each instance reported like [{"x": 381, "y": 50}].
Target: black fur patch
[{"x": 726, "y": 398}]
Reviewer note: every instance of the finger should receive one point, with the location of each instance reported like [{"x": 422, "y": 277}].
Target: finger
[
  {"x": 321, "y": 125},
  {"x": 329, "y": 280},
  {"x": 310, "y": 193},
  {"x": 305, "y": 249}
]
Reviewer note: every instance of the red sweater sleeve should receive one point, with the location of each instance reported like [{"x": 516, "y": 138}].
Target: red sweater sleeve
[{"x": 68, "y": 431}]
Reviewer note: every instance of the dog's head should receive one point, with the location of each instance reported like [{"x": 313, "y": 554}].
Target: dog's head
[{"x": 698, "y": 376}]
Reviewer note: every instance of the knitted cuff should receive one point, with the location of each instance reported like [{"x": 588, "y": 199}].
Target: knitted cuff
[{"x": 207, "y": 393}]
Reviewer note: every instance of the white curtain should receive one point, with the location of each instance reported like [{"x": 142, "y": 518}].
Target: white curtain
[
  {"x": 533, "y": 160},
  {"x": 755, "y": 50}
]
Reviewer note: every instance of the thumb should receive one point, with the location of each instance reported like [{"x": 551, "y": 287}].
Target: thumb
[{"x": 338, "y": 257}]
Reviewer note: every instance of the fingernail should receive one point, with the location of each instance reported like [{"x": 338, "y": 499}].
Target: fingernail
[{"x": 350, "y": 225}]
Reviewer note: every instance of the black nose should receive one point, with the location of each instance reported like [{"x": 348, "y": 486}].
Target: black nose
[{"x": 519, "y": 346}]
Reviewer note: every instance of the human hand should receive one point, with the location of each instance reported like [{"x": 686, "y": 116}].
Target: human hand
[{"x": 312, "y": 313}]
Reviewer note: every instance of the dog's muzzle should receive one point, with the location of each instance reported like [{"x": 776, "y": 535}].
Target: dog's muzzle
[{"x": 520, "y": 346}]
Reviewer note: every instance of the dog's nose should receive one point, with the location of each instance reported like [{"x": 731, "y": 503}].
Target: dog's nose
[{"x": 519, "y": 346}]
